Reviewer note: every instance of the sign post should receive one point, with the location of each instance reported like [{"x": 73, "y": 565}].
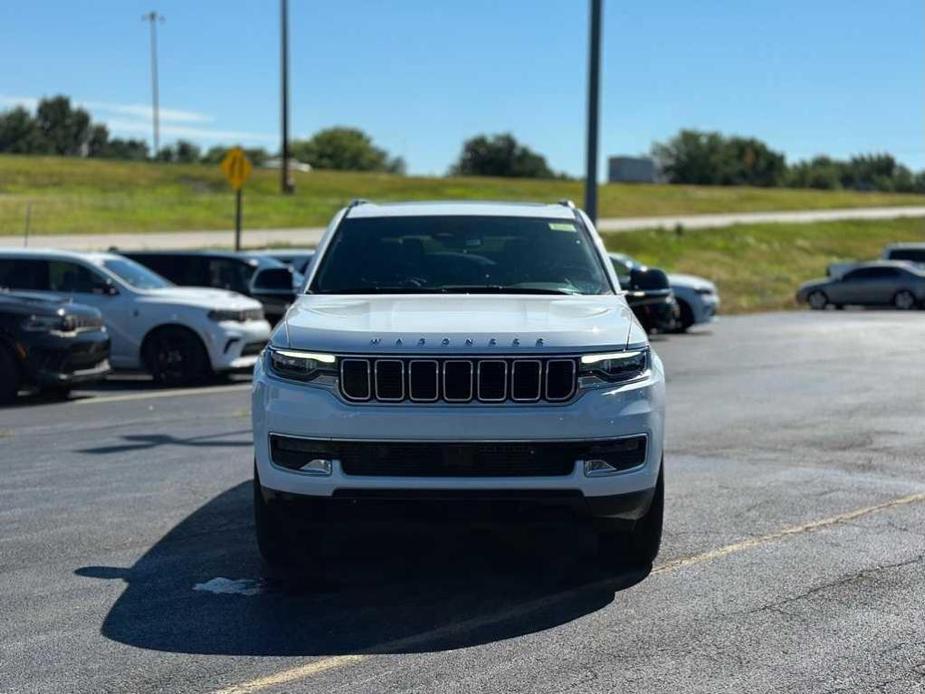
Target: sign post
[{"x": 237, "y": 169}]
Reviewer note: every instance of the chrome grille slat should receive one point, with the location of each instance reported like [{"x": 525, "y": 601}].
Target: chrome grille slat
[
  {"x": 482, "y": 380},
  {"x": 522, "y": 363},
  {"x": 485, "y": 379},
  {"x": 381, "y": 382},
  {"x": 351, "y": 364}
]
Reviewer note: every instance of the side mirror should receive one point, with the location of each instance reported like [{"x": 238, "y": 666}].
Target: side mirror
[
  {"x": 648, "y": 279},
  {"x": 106, "y": 288},
  {"x": 274, "y": 279}
]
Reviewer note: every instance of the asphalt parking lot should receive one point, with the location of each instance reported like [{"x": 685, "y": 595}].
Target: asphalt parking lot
[{"x": 793, "y": 559}]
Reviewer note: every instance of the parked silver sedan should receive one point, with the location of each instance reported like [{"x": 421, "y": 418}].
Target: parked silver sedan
[{"x": 868, "y": 284}]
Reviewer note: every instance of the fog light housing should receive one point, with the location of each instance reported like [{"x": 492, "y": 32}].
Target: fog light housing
[
  {"x": 318, "y": 466},
  {"x": 616, "y": 456},
  {"x": 302, "y": 455}
]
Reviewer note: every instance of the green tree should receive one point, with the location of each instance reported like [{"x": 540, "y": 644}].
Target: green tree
[
  {"x": 185, "y": 152},
  {"x": 709, "y": 158},
  {"x": 18, "y": 132},
  {"x": 63, "y": 129},
  {"x": 345, "y": 149},
  {"x": 499, "y": 155},
  {"x": 131, "y": 150}
]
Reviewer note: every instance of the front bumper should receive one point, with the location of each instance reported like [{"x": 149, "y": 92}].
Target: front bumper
[
  {"x": 55, "y": 360},
  {"x": 292, "y": 409},
  {"x": 237, "y": 345},
  {"x": 707, "y": 306}
]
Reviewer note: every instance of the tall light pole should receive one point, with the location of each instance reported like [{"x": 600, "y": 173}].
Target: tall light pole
[
  {"x": 153, "y": 18},
  {"x": 285, "y": 183},
  {"x": 594, "y": 74}
]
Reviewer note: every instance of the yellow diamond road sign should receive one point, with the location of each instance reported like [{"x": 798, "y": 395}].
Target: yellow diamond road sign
[{"x": 237, "y": 167}]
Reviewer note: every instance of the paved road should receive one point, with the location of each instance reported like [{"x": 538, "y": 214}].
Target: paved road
[
  {"x": 309, "y": 236},
  {"x": 792, "y": 561}
]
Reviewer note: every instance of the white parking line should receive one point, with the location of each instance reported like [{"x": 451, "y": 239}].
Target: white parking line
[
  {"x": 316, "y": 667},
  {"x": 178, "y": 393}
]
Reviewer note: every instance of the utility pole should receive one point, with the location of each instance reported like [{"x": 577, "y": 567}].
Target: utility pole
[
  {"x": 594, "y": 75},
  {"x": 153, "y": 18},
  {"x": 285, "y": 183}
]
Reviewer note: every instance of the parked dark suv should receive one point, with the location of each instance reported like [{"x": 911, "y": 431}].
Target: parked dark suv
[
  {"x": 271, "y": 282},
  {"x": 648, "y": 293},
  {"x": 49, "y": 343}
]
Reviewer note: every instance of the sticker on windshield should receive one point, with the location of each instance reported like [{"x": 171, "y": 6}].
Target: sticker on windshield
[{"x": 562, "y": 226}]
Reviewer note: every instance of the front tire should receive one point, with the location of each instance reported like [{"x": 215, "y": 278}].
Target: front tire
[
  {"x": 639, "y": 545},
  {"x": 285, "y": 537},
  {"x": 9, "y": 377},
  {"x": 686, "y": 319},
  {"x": 904, "y": 300},
  {"x": 175, "y": 356},
  {"x": 817, "y": 300}
]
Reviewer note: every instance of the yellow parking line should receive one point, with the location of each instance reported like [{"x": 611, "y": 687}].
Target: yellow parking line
[
  {"x": 786, "y": 532},
  {"x": 318, "y": 666},
  {"x": 177, "y": 393}
]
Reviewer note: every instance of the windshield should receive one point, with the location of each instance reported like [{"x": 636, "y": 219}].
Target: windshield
[
  {"x": 465, "y": 254},
  {"x": 135, "y": 275}
]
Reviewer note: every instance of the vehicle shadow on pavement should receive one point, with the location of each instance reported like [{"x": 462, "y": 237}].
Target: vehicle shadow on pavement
[{"x": 393, "y": 585}]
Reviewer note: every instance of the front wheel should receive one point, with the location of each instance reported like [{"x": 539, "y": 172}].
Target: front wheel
[
  {"x": 287, "y": 537},
  {"x": 817, "y": 300},
  {"x": 175, "y": 356},
  {"x": 637, "y": 547},
  {"x": 904, "y": 300},
  {"x": 9, "y": 377}
]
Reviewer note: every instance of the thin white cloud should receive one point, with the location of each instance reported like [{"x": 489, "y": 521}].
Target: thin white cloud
[
  {"x": 187, "y": 132},
  {"x": 24, "y": 101},
  {"x": 135, "y": 119},
  {"x": 167, "y": 115}
]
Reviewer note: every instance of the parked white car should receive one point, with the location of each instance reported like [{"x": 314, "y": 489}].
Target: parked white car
[
  {"x": 178, "y": 334},
  {"x": 463, "y": 352}
]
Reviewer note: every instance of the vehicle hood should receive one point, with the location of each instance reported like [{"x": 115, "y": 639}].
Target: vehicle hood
[
  {"x": 203, "y": 297},
  {"x": 689, "y": 281},
  {"x": 43, "y": 304},
  {"x": 814, "y": 284},
  {"x": 458, "y": 324}
]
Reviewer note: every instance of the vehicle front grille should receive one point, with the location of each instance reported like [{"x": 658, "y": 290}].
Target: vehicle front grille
[{"x": 488, "y": 379}]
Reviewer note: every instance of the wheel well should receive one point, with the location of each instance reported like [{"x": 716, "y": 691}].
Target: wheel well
[
  {"x": 172, "y": 327},
  {"x": 687, "y": 313}
]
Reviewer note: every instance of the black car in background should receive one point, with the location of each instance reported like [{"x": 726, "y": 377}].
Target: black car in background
[
  {"x": 297, "y": 258},
  {"x": 49, "y": 343},
  {"x": 271, "y": 282},
  {"x": 649, "y": 294}
]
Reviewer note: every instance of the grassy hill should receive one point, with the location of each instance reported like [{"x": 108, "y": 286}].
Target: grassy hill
[
  {"x": 91, "y": 196},
  {"x": 758, "y": 267}
]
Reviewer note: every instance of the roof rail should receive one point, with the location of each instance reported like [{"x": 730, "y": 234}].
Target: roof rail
[{"x": 566, "y": 203}]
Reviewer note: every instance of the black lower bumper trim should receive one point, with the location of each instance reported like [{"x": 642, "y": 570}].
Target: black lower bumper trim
[{"x": 629, "y": 506}]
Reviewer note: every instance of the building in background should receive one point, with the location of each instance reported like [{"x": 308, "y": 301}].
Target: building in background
[{"x": 632, "y": 170}]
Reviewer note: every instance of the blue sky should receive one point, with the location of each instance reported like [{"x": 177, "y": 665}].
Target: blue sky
[{"x": 808, "y": 77}]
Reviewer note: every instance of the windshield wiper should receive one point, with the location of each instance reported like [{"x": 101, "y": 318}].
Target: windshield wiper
[{"x": 500, "y": 289}]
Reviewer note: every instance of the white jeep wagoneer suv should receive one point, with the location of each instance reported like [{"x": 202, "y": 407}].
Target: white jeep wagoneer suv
[{"x": 460, "y": 352}]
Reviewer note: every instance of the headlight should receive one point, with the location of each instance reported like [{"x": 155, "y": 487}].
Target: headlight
[
  {"x": 236, "y": 316},
  {"x": 63, "y": 324},
  {"x": 616, "y": 367},
  {"x": 300, "y": 366}
]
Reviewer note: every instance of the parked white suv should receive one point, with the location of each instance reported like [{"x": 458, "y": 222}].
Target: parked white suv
[
  {"x": 178, "y": 334},
  {"x": 460, "y": 352}
]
